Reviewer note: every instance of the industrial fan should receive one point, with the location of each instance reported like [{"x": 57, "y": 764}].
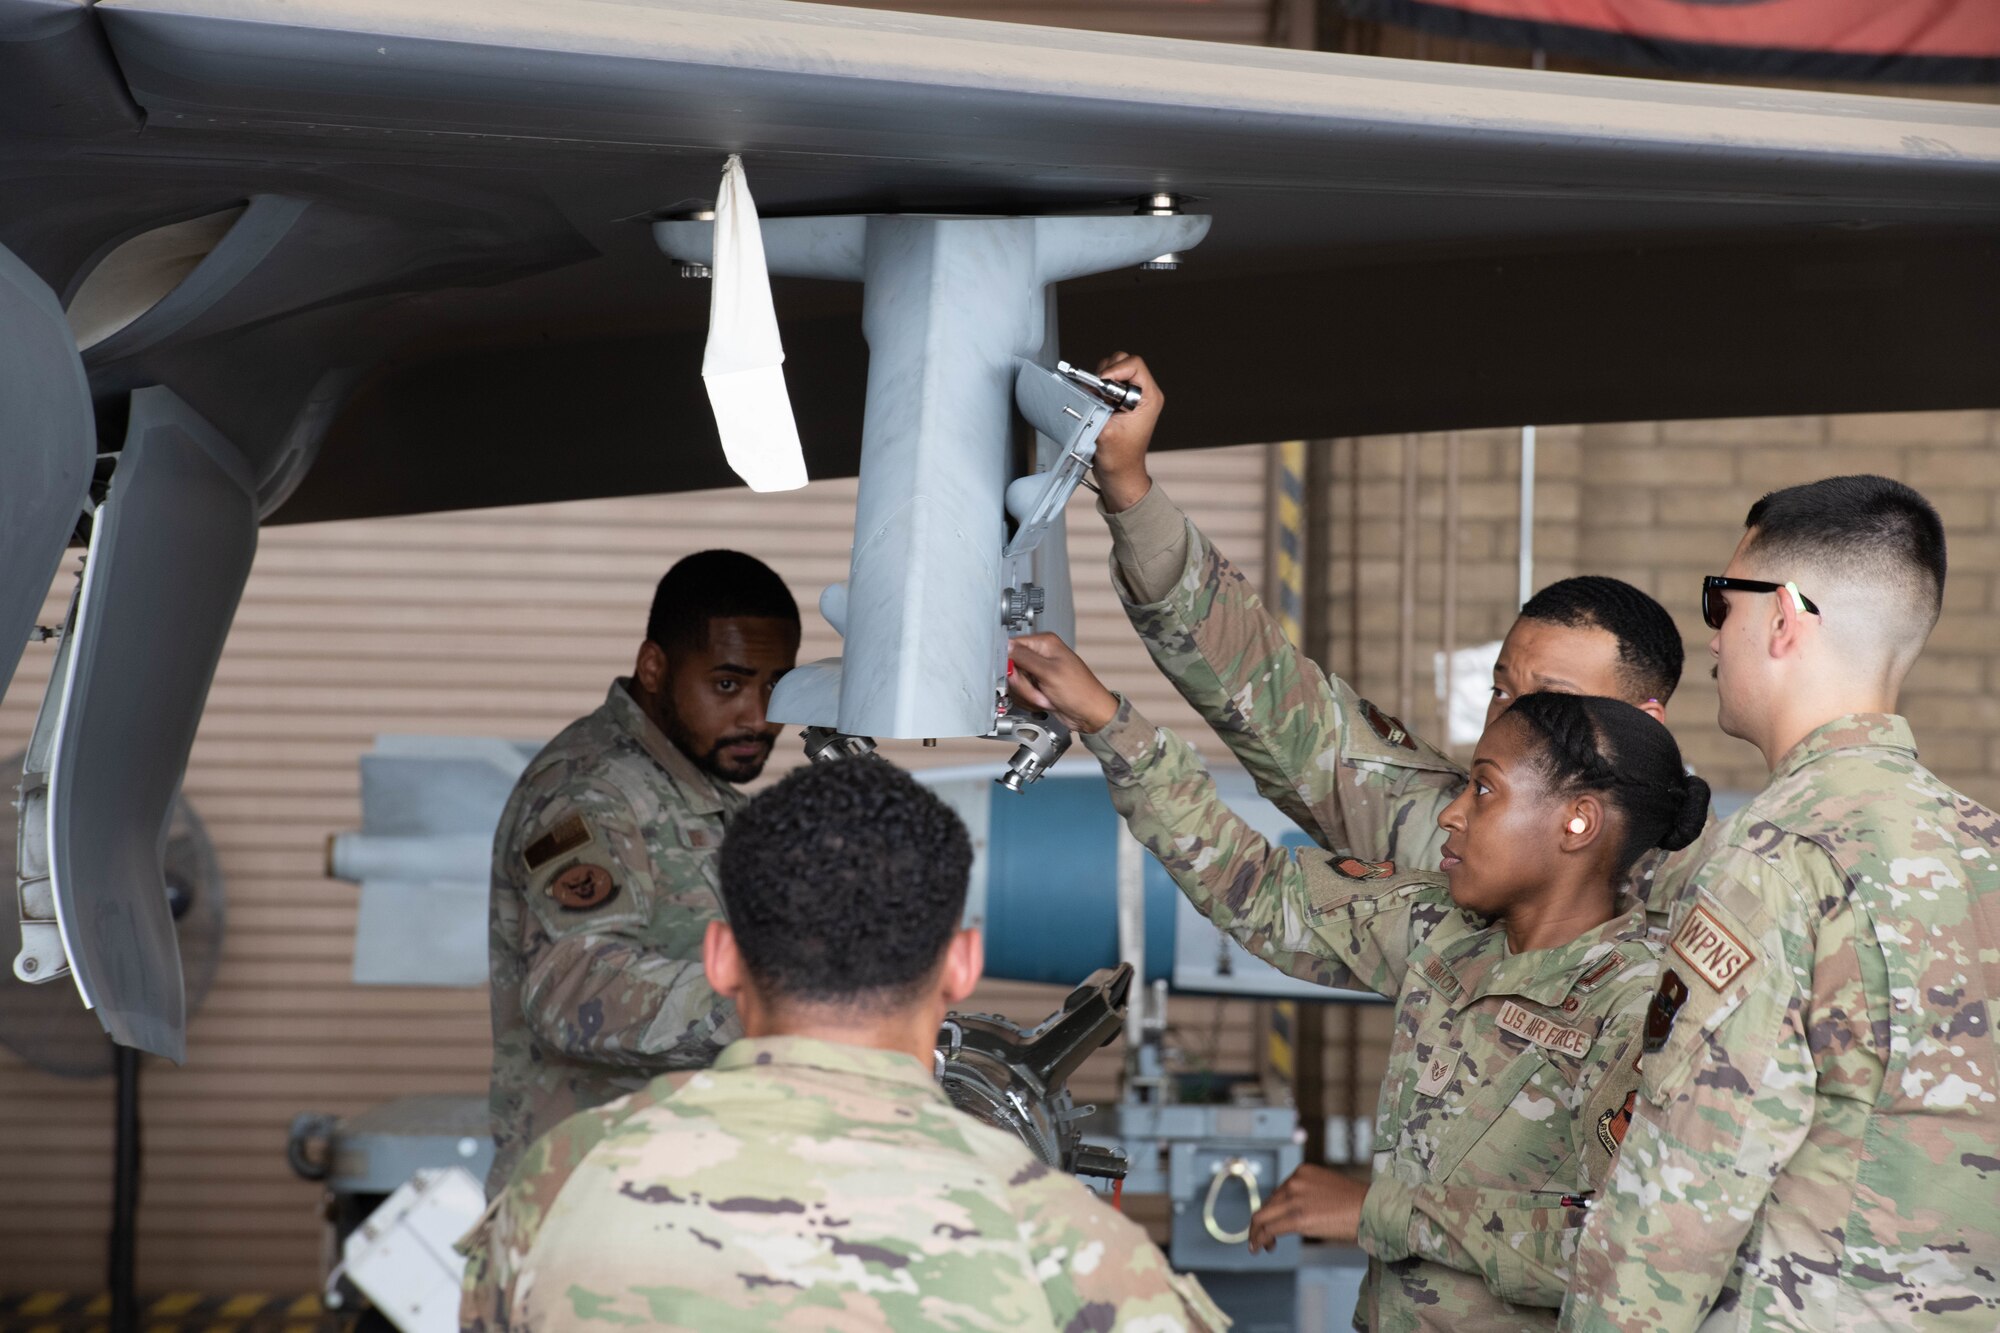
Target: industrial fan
[{"x": 48, "y": 1027}]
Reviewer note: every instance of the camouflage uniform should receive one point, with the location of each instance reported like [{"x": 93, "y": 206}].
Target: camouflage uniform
[
  {"x": 802, "y": 1184},
  {"x": 1350, "y": 776},
  {"x": 1511, "y": 1075},
  {"x": 1817, "y": 1143},
  {"x": 604, "y": 882}
]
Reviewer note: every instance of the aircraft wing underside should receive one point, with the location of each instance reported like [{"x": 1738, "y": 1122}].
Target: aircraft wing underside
[{"x": 454, "y": 199}]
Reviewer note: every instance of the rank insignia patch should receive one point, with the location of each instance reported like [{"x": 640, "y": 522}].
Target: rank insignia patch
[
  {"x": 581, "y": 888},
  {"x": 565, "y": 837},
  {"x": 1437, "y": 1073},
  {"x": 1388, "y": 728},
  {"x": 1591, "y": 979}
]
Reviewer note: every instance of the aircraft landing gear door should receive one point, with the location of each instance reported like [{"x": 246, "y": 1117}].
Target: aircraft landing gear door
[
  {"x": 48, "y": 446},
  {"x": 48, "y": 449},
  {"x": 169, "y": 553}
]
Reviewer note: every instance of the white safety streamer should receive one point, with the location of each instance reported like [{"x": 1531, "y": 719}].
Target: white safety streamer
[{"x": 744, "y": 363}]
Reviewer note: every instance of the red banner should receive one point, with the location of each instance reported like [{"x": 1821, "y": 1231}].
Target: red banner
[{"x": 1955, "y": 41}]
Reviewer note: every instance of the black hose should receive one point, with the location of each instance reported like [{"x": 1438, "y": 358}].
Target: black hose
[{"x": 123, "y": 1248}]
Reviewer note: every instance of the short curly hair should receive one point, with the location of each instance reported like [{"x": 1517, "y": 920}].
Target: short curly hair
[
  {"x": 1650, "y": 654},
  {"x": 844, "y": 883},
  {"x": 714, "y": 585}
]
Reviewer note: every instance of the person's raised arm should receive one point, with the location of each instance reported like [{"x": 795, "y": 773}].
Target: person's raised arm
[
  {"x": 1353, "y": 778},
  {"x": 1329, "y": 919}
]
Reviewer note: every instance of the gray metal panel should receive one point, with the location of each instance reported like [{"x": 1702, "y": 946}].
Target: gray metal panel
[
  {"x": 380, "y": 1149},
  {"x": 47, "y": 447},
  {"x": 1192, "y": 1168},
  {"x": 421, "y": 933},
  {"x": 168, "y": 559}
]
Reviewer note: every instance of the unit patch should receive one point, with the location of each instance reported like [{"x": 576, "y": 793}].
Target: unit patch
[
  {"x": 1611, "y": 1126},
  {"x": 1716, "y": 956},
  {"x": 1541, "y": 1031},
  {"x": 565, "y": 837},
  {"x": 1349, "y": 867},
  {"x": 1388, "y": 728},
  {"x": 581, "y": 888},
  {"x": 1438, "y": 1072}
]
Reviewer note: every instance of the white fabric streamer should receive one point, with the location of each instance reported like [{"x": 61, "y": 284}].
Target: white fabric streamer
[{"x": 744, "y": 363}]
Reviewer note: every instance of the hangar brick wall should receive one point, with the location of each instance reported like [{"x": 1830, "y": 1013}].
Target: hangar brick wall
[{"x": 1660, "y": 504}]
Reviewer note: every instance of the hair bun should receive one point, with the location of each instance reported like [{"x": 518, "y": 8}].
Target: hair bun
[{"x": 1693, "y": 817}]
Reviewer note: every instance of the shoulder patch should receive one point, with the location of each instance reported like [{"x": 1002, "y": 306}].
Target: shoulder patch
[
  {"x": 568, "y": 835},
  {"x": 582, "y": 888},
  {"x": 1708, "y": 947},
  {"x": 1542, "y": 1031},
  {"x": 1351, "y": 867},
  {"x": 1660, "y": 1013},
  {"x": 1388, "y": 728},
  {"x": 1611, "y": 1126}
]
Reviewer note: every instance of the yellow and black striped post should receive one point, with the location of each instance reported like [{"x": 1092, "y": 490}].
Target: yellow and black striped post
[{"x": 1292, "y": 1041}]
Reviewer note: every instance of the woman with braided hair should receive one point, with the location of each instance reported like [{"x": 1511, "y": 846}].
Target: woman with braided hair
[{"x": 1521, "y": 982}]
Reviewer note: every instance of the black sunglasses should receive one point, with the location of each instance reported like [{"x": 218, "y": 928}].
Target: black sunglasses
[{"x": 1715, "y": 607}]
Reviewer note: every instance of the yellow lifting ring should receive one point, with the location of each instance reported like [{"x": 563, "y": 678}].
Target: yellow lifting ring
[{"x": 1239, "y": 1169}]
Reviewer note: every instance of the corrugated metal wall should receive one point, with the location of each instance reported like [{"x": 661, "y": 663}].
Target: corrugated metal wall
[{"x": 505, "y": 623}]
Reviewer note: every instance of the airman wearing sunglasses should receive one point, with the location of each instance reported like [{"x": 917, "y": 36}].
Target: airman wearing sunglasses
[
  {"x": 1816, "y": 1140},
  {"x": 1354, "y": 778}
]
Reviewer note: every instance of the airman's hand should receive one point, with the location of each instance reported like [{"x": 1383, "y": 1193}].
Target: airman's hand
[
  {"x": 1316, "y": 1202},
  {"x": 1120, "y": 466},
  {"x": 1049, "y": 674}
]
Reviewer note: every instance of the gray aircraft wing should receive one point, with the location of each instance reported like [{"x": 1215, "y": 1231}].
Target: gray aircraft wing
[
  {"x": 450, "y": 199},
  {"x": 335, "y": 258}
]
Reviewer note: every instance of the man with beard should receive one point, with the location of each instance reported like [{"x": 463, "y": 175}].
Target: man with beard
[{"x": 604, "y": 864}]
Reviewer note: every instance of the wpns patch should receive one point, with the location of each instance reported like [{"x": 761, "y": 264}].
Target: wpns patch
[
  {"x": 1709, "y": 947},
  {"x": 582, "y": 888},
  {"x": 1350, "y": 867}
]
